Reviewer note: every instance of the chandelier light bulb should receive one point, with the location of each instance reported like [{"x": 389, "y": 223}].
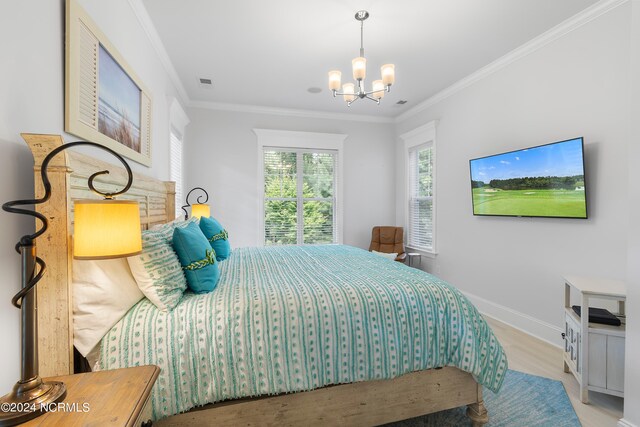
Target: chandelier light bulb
[
  {"x": 335, "y": 77},
  {"x": 378, "y": 89},
  {"x": 388, "y": 72},
  {"x": 359, "y": 65},
  {"x": 348, "y": 90}
]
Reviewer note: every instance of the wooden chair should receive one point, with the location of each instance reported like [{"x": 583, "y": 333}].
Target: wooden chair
[{"x": 389, "y": 240}]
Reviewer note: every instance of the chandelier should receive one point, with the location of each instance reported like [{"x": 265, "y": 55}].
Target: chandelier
[{"x": 359, "y": 65}]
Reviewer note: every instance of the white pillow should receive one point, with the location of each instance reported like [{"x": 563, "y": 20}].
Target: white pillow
[
  {"x": 157, "y": 270},
  {"x": 167, "y": 228},
  {"x": 103, "y": 292},
  {"x": 392, "y": 256}
]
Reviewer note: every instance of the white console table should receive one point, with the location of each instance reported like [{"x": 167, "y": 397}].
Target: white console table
[{"x": 593, "y": 352}]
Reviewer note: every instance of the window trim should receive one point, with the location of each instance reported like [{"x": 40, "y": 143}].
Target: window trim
[
  {"x": 299, "y": 198},
  {"x": 178, "y": 121},
  {"x": 422, "y": 135},
  {"x": 178, "y": 186},
  {"x": 285, "y": 139}
]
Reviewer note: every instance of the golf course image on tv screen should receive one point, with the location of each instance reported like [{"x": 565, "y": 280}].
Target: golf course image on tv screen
[{"x": 543, "y": 181}]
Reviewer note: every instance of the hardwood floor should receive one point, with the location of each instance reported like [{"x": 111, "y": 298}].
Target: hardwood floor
[{"x": 536, "y": 357}]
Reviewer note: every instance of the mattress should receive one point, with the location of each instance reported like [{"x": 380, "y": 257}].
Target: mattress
[{"x": 296, "y": 318}]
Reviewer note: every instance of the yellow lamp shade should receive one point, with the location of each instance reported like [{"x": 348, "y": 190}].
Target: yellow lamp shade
[
  {"x": 388, "y": 72},
  {"x": 199, "y": 210},
  {"x": 378, "y": 89},
  {"x": 359, "y": 65},
  {"x": 348, "y": 90},
  {"x": 106, "y": 229},
  {"x": 335, "y": 77}
]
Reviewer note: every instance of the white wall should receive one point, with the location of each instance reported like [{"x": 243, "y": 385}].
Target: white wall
[
  {"x": 32, "y": 100},
  {"x": 632, "y": 367},
  {"x": 221, "y": 155},
  {"x": 574, "y": 86}
]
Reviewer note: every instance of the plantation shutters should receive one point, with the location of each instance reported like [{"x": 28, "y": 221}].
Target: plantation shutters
[
  {"x": 175, "y": 167},
  {"x": 299, "y": 196},
  {"x": 421, "y": 213}
]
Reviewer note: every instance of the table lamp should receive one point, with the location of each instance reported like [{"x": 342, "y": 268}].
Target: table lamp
[
  {"x": 199, "y": 209},
  {"x": 106, "y": 228}
]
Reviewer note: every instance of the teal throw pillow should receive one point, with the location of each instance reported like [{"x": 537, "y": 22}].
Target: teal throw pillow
[
  {"x": 197, "y": 257},
  {"x": 217, "y": 236}
]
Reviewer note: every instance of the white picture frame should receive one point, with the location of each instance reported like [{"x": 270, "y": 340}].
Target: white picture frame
[{"x": 105, "y": 101}]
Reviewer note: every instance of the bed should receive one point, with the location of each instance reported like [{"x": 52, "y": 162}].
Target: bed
[{"x": 292, "y": 335}]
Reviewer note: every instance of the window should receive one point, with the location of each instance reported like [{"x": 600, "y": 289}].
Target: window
[
  {"x": 300, "y": 202},
  {"x": 175, "y": 167},
  {"x": 420, "y": 164},
  {"x": 179, "y": 121},
  {"x": 420, "y": 235},
  {"x": 299, "y": 180}
]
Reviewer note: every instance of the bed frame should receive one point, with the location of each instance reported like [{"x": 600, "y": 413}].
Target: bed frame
[{"x": 362, "y": 403}]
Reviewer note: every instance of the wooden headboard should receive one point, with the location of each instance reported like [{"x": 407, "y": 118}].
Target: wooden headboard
[{"x": 69, "y": 172}]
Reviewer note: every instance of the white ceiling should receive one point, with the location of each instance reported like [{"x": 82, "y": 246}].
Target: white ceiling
[{"x": 268, "y": 53}]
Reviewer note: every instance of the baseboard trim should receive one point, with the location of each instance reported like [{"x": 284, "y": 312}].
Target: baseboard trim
[
  {"x": 624, "y": 423},
  {"x": 523, "y": 322}
]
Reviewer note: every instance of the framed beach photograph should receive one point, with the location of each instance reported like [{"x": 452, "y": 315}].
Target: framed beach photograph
[{"x": 105, "y": 101}]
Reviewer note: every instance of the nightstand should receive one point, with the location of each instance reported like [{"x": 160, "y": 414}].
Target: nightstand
[
  {"x": 105, "y": 398},
  {"x": 593, "y": 352}
]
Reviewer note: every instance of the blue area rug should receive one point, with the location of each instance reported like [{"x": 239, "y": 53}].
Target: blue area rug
[{"x": 523, "y": 401}]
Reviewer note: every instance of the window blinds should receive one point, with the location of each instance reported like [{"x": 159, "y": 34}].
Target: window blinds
[
  {"x": 420, "y": 234},
  {"x": 299, "y": 196},
  {"x": 175, "y": 167}
]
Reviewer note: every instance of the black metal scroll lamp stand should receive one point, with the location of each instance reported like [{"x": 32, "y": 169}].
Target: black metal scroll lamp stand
[
  {"x": 31, "y": 396},
  {"x": 198, "y": 200}
]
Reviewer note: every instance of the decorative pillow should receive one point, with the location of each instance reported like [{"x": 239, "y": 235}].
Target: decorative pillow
[
  {"x": 391, "y": 256},
  {"x": 178, "y": 219},
  {"x": 157, "y": 270},
  {"x": 197, "y": 257},
  {"x": 217, "y": 236},
  {"x": 103, "y": 292},
  {"x": 167, "y": 229}
]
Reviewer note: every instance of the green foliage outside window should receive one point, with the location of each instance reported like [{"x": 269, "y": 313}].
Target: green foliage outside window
[
  {"x": 420, "y": 232},
  {"x": 282, "y": 203}
]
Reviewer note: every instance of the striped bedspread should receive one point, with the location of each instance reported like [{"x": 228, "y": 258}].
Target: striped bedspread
[{"x": 286, "y": 319}]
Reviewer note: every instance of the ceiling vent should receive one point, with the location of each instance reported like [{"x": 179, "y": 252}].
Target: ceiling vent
[
  {"x": 205, "y": 83},
  {"x": 402, "y": 102}
]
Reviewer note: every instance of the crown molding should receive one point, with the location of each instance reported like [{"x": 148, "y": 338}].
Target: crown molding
[
  {"x": 289, "y": 112},
  {"x": 587, "y": 15},
  {"x": 576, "y": 21},
  {"x": 149, "y": 28},
  {"x": 147, "y": 24}
]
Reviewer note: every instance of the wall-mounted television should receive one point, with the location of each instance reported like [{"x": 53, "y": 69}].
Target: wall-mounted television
[{"x": 543, "y": 181}]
